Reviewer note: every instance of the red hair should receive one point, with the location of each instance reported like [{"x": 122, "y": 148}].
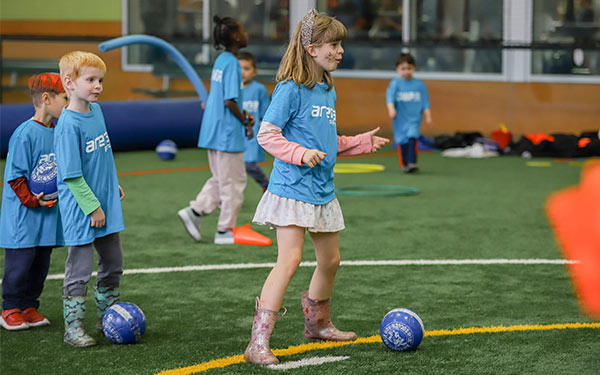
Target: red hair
[{"x": 44, "y": 82}]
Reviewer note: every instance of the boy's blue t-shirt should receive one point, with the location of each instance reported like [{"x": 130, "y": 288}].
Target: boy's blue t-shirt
[
  {"x": 307, "y": 117},
  {"x": 83, "y": 150},
  {"x": 256, "y": 101},
  {"x": 410, "y": 99},
  {"x": 220, "y": 129},
  {"x": 21, "y": 227}
]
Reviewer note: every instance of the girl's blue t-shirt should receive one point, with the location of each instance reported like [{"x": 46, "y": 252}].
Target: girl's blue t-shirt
[
  {"x": 21, "y": 227},
  {"x": 307, "y": 117},
  {"x": 256, "y": 102},
  {"x": 83, "y": 150},
  {"x": 410, "y": 99},
  {"x": 220, "y": 129}
]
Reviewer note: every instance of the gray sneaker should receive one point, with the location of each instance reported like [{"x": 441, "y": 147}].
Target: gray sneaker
[
  {"x": 412, "y": 168},
  {"x": 224, "y": 238},
  {"x": 191, "y": 222}
]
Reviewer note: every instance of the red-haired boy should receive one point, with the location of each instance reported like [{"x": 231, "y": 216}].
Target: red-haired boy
[{"x": 29, "y": 226}]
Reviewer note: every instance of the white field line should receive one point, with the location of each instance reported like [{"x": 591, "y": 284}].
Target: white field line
[
  {"x": 421, "y": 262},
  {"x": 312, "y": 361}
]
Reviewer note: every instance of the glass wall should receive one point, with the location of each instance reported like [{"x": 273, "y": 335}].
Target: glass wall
[
  {"x": 461, "y": 39},
  {"x": 366, "y": 19},
  {"x": 267, "y": 23},
  {"x": 573, "y": 25},
  {"x": 441, "y": 35},
  {"x": 458, "y": 35},
  {"x": 187, "y": 24},
  {"x": 171, "y": 20},
  {"x": 374, "y": 31}
]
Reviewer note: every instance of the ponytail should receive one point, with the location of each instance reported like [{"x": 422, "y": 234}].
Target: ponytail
[{"x": 224, "y": 30}]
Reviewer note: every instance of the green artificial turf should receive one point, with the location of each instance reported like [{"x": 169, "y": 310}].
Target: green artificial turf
[{"x": 466, "y": 209}]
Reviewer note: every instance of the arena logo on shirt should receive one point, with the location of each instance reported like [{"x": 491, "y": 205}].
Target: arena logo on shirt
[
  {"x": 408, "y": 96},
  {"x": 217, "y": 75},
  {"x": 320, "y": 111},
  {"x": 47, "y": 157},
  {"x": 250, "y": 105},
  {"x": 101, "y": 141}
]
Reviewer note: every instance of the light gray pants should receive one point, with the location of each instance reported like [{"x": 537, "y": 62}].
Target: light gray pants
[
  {"x": 225, "y": 189},
  {"x": 80, "y": 265}
]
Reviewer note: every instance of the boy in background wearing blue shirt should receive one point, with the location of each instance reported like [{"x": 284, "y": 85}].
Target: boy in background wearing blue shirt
[
  {"x": 256, "y": 101},
  {"x": 407, "y": 101},
  {"x": 89, "y": 195},
  {"x": 29, "y": 226}
]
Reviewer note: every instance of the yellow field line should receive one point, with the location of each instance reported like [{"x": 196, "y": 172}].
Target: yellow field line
[{"x": 297, "y": 349}]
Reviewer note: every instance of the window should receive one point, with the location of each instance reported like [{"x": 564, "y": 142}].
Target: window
[
  {"x": 267, "y": 23},
  {"x": 187, "y": 24},
  {"x": 374, "y": 31},
  {"x": 567, "y": 33},
  {"x": 450, "y": 39},
  {"x": 457, "y": 36},
  {"x": 171, "y": 20},
  {"x": 444, "y": 36}
]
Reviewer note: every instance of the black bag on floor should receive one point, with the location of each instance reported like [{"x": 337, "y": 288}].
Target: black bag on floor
[{"x": 458, "y": 140}]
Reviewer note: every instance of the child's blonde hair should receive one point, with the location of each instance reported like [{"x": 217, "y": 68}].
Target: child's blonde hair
[
  {"x": 297, "y": 65},
  {"x": 72, "y": 63}
]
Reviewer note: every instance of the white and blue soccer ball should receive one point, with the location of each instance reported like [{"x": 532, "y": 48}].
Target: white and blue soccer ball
[
  {"x": 124, "y": 323},
  {"x": 166, "y": 150},
  {"x": 402, "y": 329},
  {"x": 43, "y": 180}
]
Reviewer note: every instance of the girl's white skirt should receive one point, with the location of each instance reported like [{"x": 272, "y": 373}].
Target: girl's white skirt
[{"x": 276, "y": 211}]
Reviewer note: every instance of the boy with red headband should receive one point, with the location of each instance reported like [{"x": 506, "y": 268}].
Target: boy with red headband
[{"x": 29, "y": 226}]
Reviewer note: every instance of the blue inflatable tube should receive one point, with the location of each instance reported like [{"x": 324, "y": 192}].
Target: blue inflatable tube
[
  {"x": 179, "y": 59},
  {"x": 131, "y": 125}
]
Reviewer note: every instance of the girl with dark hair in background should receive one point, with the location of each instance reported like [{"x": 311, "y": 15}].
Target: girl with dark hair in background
[{"x": 222, "y": 134}]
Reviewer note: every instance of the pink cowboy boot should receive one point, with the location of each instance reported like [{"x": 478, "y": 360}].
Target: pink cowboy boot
[
  {"x": 317, "y": 322},
  {"x": 258, "y": 350}
]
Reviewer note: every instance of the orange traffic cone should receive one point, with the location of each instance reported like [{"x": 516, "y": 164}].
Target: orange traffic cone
[
  {"x": 245, "y": 236},
  {"x": 575, "y": 217}
]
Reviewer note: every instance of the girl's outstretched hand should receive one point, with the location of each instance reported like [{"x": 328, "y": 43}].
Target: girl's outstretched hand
[
  {"x": 376, "y": 141},
  {"x": 313, "y": 157}
]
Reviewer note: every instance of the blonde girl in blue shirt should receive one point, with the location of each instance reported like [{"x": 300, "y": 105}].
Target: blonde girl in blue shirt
[{"x": 299, "y": 130}]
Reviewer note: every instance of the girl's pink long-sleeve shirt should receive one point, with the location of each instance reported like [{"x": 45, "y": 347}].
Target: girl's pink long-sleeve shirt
[{"x": 271, "y": 139}]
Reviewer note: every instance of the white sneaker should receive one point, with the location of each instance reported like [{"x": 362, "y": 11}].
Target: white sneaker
[
  {"x": 224, "y": 238},
  {"x": 191, "y": 222}
]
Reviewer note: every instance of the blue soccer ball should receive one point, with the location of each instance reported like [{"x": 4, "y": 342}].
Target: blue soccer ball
[
  {"x": 43, "y": 180},
  {"x": 124, "y": 323},
  {"x": 166, "y": 150},
  {"x": 402, "y": 329}
]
